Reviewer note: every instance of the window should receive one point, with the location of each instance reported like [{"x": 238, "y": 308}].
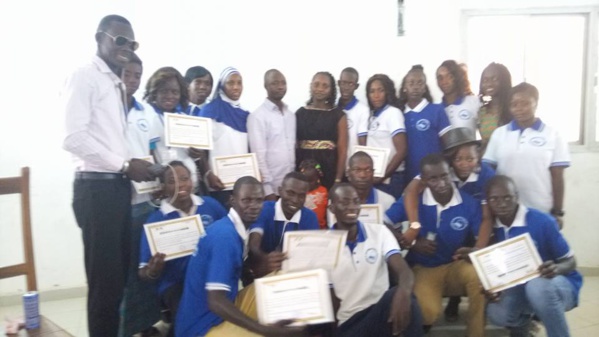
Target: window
[{"x": 549, "y": 49}]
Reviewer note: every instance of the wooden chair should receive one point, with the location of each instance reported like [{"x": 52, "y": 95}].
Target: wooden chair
[{"x": 20, "y": 185}]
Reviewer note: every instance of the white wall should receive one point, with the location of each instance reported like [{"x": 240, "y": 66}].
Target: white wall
[{"x": 299, "y": 38}]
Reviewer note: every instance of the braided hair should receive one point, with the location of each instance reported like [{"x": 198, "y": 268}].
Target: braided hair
[
  {"x": 403, "y": 94},
  {"x": 332, "y": 99}
]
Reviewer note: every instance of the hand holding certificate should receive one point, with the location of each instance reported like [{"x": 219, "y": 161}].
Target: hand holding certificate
[
  {"x": 187, "y": 131},
  {"x": 380, "y": 157},
  {"x": 313, "y": 249},
  {"x": 507, "y": 264},
  {"x": 230, "y": 168},
  {"x": 146, "y": 186},
  {"x": 303, "y": 297},
  {"x": 174, "y": 238}
]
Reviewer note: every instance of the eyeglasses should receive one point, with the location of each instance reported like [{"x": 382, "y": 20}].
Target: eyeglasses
[{"x": 121, "y": 41}]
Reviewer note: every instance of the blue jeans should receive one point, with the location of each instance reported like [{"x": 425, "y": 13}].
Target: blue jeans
[{"x": 549, "y": 299}]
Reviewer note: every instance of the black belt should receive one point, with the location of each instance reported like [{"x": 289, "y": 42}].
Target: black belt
[{"x": 99, "y": 176}]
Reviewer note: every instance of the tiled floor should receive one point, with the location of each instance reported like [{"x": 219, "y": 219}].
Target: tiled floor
[{"x": 584, "y": 320}]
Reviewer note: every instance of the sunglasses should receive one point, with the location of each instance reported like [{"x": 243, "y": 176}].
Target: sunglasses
[{"x": 121, "y": 41}]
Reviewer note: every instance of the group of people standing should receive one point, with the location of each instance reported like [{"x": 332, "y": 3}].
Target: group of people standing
[{"x": 309, "y": 167}]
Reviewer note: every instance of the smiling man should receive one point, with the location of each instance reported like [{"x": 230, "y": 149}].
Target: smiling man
[
  {"x": 96, "y": 111},
  {"x": 447, "y": 216},
  {"x": 286, "y": 214}
]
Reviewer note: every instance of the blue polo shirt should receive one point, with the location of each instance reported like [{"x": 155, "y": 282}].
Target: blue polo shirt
[
  {"x": 452, "y": 224},
  {"x": 544, "y": 232},
  {"x": 216, "y": 265},
  {"x": 425, "y": 124},
  {"x": 475, "y": 183},
  {"x": 209, "y": 211},
  {"x": 272, "y": 224}
]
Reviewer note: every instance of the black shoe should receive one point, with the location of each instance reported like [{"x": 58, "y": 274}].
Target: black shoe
[{"x": 452, "y": 309}]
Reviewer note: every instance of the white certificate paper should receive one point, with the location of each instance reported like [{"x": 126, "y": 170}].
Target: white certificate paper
[
  {"x": 507, "y": 264},
  {"x": 187, "y": 131},
  {"x": 303, "y": 297},
  {"x": 174, "y": 238},
  {"x": 380, "y": 157},
  {"x": 230, "y": 168},
  {"x": 146, "y": 186},
  {"x": 313, "y": 249},
  {"x": 369, "y": 213}
]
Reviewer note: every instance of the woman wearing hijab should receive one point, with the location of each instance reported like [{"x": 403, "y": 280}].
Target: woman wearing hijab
[{"x": 229, "y": 130}]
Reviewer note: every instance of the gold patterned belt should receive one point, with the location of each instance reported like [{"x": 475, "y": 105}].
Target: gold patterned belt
[{"x": 317, "y": 145}]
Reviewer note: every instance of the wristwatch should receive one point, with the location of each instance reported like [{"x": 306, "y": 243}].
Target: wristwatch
[
  {"x": 125, "y": 167},
  {"x": 415, "y": 225},
  {"x": 557, "y": 212}
]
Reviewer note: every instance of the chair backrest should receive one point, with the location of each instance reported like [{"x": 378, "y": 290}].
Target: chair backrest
[{"x": 20, "y": 185}]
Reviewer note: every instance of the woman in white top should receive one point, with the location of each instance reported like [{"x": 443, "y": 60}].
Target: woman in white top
[
  {"x": 461, "y": 105},
  {"x": 386, "y": 129}
]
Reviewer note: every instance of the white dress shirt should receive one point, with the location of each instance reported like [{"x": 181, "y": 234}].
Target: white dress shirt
[
  {"x": 96, "y": 122},
  {"x": 271, "y": 135}
]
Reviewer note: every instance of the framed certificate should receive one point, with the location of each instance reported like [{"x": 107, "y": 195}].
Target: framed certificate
[
  {"x": 146, "y": 186},
  {"x": 507, "y": 264},
  {"x": 380, "y": 157},
  {"x": 230, "y": 168},
  {"x": 303, "y": 297},
  {"x": 313, "y": 249},
  {"x": 187, "y": 131},
  {"x": 369, "y": 213},
  {"x": 174, "y": 238}
]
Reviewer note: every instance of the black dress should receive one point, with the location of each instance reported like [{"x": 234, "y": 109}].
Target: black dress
[{"x": 313, "y": 125}]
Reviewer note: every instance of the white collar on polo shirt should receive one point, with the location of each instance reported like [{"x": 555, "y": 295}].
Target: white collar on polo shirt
[
  {"x": 240, "y": 228},
  {"x": 472, "y": 178},
  {"x": 166, "y": 207},
  {"x": 280, "y": 216},
  {"x": 417, "y": 108},
  {"x": 429, "y": 200},
  {"x": 519, "y": 219}
]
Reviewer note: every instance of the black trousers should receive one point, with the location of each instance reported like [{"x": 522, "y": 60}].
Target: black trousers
[{"x": 103, "y": 212}]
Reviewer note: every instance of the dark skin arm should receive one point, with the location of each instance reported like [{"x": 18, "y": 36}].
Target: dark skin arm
[
  {"x": 484, "y": 235},
  {"x": 219, "y": 304},
  {"x": 400, "y": 144},
  {"x": 342, "y": 141},
  {"x": 138, "y": 170},
  {"x": 400, "y": 313},
  {"x": 411, "y": 203},
  {"x": 154, "y": 269},
  {"x": 262, "y": 263},
  {"x": 557, "y": 187}
]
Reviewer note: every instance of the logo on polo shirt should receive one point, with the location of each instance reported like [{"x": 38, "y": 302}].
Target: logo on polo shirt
[
  {"x": 458, "y": 223},
  {"x": 207, "y": 220},
  {"x": 464, "y": 114},
  {"x": 537, "y": 141},
  {"x": 374, "y": 125},
  {"x": 423, "y": 124},
  {"x": 350, "y": 123},
  {"x": 142, "y": 124},
  {"x": 371, "y": 255}
]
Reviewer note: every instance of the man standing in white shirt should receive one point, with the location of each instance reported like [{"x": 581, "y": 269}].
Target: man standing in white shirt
[
  {"x": 271, "y": 133},
  {"x": 356, "y": 111},
  {"x": 94, "y": 98}
]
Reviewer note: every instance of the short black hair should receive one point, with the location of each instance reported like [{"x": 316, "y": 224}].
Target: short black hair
[
  {"x": 359, "y": 155},
  {"x": 353, "y": 71},
  {"x": 526, "y": 89},
  {"x": 296, "y": 175},
  {"x": 271, "y": 71},
  {"x": 246, "y": 180},
  {"x": 159, "y": 79},
  {"x": 498, "y": 180},
  {"x": 171, "y": 166},
  {"x": 432, "y": 159},
  {"x": 108, "y": 19},
  {"x": 195, "y": 72},
  {"x": 135, "y": 59},
  {"x": 333, "y": 190}
]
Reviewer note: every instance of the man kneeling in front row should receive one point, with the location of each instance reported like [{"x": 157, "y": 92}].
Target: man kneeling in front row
[{"x": 367, "y": 306}]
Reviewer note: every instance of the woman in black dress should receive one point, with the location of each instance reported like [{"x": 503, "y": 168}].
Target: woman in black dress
[{"x": 322, "y": 130}]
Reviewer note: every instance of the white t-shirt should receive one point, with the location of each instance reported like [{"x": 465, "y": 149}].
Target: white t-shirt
[
  {"x": 526, "y": 156},
  {"x": 383, "y": 126},
  {"x": 357, "y": 124},
  {"x": 464, "y": 113}
]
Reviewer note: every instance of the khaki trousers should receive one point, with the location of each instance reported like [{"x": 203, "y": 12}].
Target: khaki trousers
[
  {"x": 457, "y": 278},
  {"x": 246, "y": 302}
]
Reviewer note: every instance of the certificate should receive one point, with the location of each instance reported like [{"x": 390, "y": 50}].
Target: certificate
[
  {"x": 369, "y": 213},
  {"x": 313, "y": 249},
  {"x": 187, "y": 131},
  {"x": 303, "y": 297},
  {"x": 507, "y": 264},
  {"x": 230, "y": 168},
  {"x": 174, "y": 238},
  {"x": 146, "y": 186},
  {"x": 380, "y": 157}
]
